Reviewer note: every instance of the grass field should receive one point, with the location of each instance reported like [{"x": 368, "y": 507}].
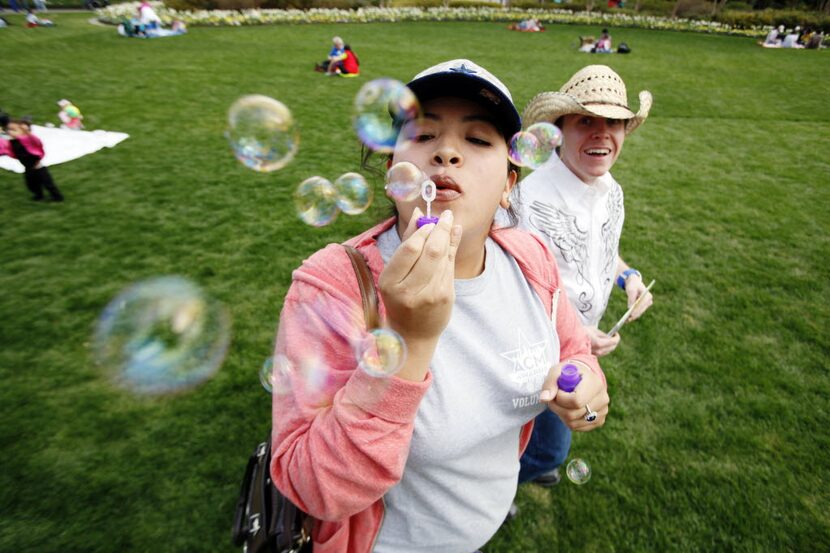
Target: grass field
[{"x": 718, "y": 435}]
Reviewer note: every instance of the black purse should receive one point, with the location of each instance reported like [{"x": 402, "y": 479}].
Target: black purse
[{"x": 265, "y": 520}]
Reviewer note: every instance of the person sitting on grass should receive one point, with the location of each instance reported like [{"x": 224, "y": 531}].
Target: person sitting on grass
[
  {"x": 603, "y": 45},
  {"x": 349, "y": 65},
  {"x": 34, "y": 21},
  {"x": 70, "y": 115},
  {"x": 527, "y": 25},
  {"x": 774, "y": 37},
  {"x": 815, "y": 41},
  {"x": 148, "y": 16},
  {"x": 336, "y": 54},
  {"x": 791, "y": 39},
  {"x": 576, "y": 207},
  {"x": 28, "y": 150}
]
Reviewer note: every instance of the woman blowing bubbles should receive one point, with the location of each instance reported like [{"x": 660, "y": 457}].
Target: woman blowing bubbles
[{"x": 428, "y": 459}]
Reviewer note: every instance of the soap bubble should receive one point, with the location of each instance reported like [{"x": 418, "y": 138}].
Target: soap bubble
[
  {"x": 548, "y": 134},
  {"x": 381, "y": 352},
  {"x": 162, "y": 335},
  {"x": 533, "y": 147},
  {"x": 261, "y": 133},
  {"x": 354, "y": 195},
  {"x": 523, "y": 146},
  {"x": 579, "y": 471},
  {"x": 316, "y": 201},
  {"x": 267, "y": 376},
  {"x": 381, "y": 107},
  {"x": 274, "y": 375},
  {"x": 403, "y": 181}
]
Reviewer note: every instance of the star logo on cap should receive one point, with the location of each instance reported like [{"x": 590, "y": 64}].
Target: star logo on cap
[{"x": 463, "y": 69}]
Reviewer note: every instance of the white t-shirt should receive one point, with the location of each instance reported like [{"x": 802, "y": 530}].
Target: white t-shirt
[
  {"x": 582, "y": 225},
  {"x": 487, "y": 372}
]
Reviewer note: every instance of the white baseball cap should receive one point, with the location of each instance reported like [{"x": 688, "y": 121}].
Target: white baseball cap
[{"x": 463, "y": 78}]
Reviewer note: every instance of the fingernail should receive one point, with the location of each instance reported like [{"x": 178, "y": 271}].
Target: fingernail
[
  {"x": 446, "y": 215},
  {"x": 546, "y": 395}
]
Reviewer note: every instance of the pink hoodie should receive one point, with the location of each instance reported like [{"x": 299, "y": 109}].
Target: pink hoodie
[
  {"x": 32, "y": 144},
  {"x": 339, "y": 449}
]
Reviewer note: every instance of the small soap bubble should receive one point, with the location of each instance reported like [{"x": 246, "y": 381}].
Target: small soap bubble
[
  {"x": 548, "y": 134},
  {"x": 522, "y": 148},
  {"x": 261, "y": 133},
  {"x": 579, "y": 471},
  {"x": 533, "y": 147},
  {"x": 380, "y": 109},
  {"x": 354, "y": 195},
  {"x": 274, "y": 375},
  {"x": 162, "y": 335},
  {"x": 381, "y": 352},
  {"x": 267, "y": 376},
  {"x": 316, "y": 201},
  {"x": 403, "y": 181}
]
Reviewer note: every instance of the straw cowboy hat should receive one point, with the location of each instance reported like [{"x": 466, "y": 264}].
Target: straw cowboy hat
[{"x": 594, "y": 90}]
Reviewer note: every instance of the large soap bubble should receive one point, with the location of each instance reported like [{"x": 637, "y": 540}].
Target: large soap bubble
[
  {"x": 354, "y": 195},
  {"x": 262, "y": 133},
  {"x": 162, "y": 335},
  {"x": 316, "y": 201},
  {"x": 380, "y": 109},
  {"x": 404, "y": 181}
]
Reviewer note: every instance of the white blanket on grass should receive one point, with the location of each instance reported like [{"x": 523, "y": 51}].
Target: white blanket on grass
[{"x": 61, "y": 145}]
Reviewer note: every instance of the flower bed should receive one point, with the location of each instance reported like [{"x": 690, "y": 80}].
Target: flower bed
[{"x": 115, "y": 13}]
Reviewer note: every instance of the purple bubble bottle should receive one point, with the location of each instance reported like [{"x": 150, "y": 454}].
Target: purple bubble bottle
[{"x": 569, "y": 378}]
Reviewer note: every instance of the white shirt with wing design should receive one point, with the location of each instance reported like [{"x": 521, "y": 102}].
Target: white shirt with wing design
[{"x": 581, "y": 224}]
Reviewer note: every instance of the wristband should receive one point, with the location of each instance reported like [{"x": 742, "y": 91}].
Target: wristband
[{"x": 624, "y": 276}]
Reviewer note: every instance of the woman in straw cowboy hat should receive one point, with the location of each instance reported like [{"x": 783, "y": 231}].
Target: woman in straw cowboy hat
[{"x": 574, "y": 204}]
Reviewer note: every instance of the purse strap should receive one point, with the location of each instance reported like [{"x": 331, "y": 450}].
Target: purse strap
[{"x": 366, "y": 282}]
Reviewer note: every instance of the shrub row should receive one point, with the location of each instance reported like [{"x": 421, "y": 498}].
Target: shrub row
[
  {"x": 218, "y": 12},
  {"x": 772, "y": 18}
]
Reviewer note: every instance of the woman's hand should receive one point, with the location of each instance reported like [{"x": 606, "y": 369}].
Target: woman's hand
[
  {"x": 590, "y": 395},
  {"x": 417, "y": 285},
  {"x": 601, "y": 343},
  {"x": 634, "y": 288}
]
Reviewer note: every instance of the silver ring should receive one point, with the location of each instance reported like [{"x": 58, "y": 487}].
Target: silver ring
[{"x": 590, "y": 415}]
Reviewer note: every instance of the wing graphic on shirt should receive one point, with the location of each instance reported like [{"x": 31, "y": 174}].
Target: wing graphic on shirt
[
  {"x": 572, "y": 242},
  {"x": 611, "y": 231}
]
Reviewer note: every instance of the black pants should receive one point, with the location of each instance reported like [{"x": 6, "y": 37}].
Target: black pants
[{"x": 37, "y": 180}]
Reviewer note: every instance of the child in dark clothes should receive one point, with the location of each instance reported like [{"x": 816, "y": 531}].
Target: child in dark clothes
[{"x": 28, "y": 149}]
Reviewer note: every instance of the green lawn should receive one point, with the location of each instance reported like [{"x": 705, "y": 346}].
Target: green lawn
[{"x": 718, "y": 435}]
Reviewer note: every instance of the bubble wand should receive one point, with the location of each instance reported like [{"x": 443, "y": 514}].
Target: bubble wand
[
  {"x": 616, "y": 328},
  {"x": 428, "y": 194}
]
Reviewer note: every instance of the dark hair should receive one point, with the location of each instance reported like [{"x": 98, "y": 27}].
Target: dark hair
[{"x": 4, "y": 119}]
